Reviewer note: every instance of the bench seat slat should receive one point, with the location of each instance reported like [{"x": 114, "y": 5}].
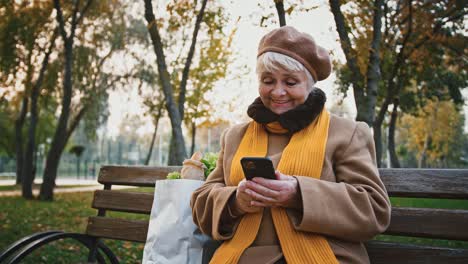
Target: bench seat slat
[
  {"x": 390, "y": 253},
  {"x": 429, "y": 222},
  {"x": 132, "y": 202},
  {"x": 426, "y": 183},
  {"x": 115, "y": 228},
  {"x": 134, "y": 175}
]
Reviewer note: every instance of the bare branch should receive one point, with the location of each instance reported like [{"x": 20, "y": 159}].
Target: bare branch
[
  {"x": 60, "y": 20},
  {"x": 74, "y": 15},
  {"x": 188, "y": 62},
  {"x": 82, "y": 13}
]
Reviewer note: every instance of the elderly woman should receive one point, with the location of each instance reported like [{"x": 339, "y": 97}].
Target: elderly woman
[{"x": 328, "y": 197}]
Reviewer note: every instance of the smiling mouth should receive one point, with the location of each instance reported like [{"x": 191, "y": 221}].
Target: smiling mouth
[{"x": 280, "y": 101}]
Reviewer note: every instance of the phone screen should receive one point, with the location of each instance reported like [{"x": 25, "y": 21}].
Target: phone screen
[{"x": 258, "y": 167}]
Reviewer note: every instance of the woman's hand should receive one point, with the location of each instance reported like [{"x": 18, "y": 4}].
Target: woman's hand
[
  {"x": 282, "y": 192},
  {"x": 244, "y": 200}
]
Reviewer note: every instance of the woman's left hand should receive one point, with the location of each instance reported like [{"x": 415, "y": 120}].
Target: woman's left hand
[{"x": 282, "y": 192}]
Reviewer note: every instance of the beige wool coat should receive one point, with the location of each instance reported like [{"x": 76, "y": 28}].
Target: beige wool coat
[{"x": 348, "y": 205}]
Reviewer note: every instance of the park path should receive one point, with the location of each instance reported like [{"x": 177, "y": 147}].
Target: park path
[{"x": 61, "y": 189}]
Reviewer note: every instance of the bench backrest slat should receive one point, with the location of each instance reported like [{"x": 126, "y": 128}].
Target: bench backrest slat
[
  {"x": 430, "y": 223},
  {"x": 426, "y": 183},
  {"x": 423, "y": 183},
  {"x": 116, "y": 228},
  {"x": 134, "y": 175},
  {"x": 132, "y": 202},
  {"x": 389, "y": 253}
]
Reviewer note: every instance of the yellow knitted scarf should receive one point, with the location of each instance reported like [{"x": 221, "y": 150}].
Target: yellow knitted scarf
[{"x": 303, "y": 156}]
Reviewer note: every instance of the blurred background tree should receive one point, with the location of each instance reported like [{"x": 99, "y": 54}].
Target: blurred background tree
[
  {"x": 63, "y": 63},
  {"x": 390, "y": 45}
]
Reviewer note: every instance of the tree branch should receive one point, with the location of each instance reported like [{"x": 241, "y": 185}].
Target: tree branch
[
  {"x": 74, "y": 15},
  {"x": 436, "y": 30},
  {"x": 85, "y": 9},
  {"x": 60, "y": 20},
  {"x": 188, "y": 62},
  {"x": 350, "y": 54},
  {"x": 76, "y": 120},
  {"x": 280, "y": 10},
  {"x": 45, "y": 62},
  {"x": 160, "y": 57},
  {"x": 391, "y": 80}
]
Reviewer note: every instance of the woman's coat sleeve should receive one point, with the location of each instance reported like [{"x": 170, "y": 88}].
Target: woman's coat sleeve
[
  {"x": 356, "y": 207},
  {"x": 211, "y": 204}
]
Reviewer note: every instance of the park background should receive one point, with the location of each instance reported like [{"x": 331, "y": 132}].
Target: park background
[{"x": 88, "y": 83}]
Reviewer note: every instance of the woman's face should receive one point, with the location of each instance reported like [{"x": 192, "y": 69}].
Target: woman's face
[{"x": 283, "y": 90}]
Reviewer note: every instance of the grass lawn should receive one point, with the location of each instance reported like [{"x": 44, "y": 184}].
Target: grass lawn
[{"x": 69, "y": 212}]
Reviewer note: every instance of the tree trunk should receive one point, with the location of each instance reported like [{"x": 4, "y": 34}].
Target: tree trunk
[
  {"x": 172, "y": 159},
  {"x": 392, "y": 88},
  {"x": 109, "y": 151},
  {"x": 391, "y": 136},
  {"x": 28, "y": 177},
  {"x": 194, "y": 133},
  {"x": 360, "y": 98},
  {"x": 156, "y": 123},
  {"x": 148, "y": 157},
  {"x": 59, "y": 139},
  {"x": 280, "y": 10},
  {"x": 19, "y": 123},
  {"x": 427, "y": 141},
  {"x": 178, "y": 153},
  {"x": 378, "y": 127},
  {"x": 78, "y": 161},
  {"x": 422, "y": 156},
  {"x": 373, "y": 70},
  {"x": 29, "y": 164}
]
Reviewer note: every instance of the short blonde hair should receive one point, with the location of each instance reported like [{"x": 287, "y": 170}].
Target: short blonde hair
[{"x": 272, "y": 61}]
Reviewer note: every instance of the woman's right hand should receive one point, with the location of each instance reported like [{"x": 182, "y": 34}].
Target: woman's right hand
[{"x": 244, "y": 200}]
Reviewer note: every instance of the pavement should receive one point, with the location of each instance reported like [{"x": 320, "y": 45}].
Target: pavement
[{"x": 62, "y": 182}]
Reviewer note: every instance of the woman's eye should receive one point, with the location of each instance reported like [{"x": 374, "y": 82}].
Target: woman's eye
[
  {"x": 290, "y": 83},
  {"x": 267, "y": 81}
]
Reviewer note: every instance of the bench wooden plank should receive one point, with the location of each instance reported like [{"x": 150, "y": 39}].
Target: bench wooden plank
[
  {"x": 390, "y": 253},
  {"x": 134, "y": 175},
  {"x": 429, "y": 222},
  {"x": 426, "y": 183},
  {"x": 115, "y": 228},
  {"x": 422, "y": 183},
  {"x": 133, "y": 202}
]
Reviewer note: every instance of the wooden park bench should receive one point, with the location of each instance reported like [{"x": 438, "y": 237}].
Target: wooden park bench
[{"x": 408, "y": 222}]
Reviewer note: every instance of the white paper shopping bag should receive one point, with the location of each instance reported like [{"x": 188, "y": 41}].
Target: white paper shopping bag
[{"x": 172, "y": 235}]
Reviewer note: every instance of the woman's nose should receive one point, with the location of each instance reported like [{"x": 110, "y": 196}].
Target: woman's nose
[{"x": 278, "y": 90}]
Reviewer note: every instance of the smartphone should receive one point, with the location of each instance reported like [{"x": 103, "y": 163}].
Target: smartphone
[{"x": 258, "y": 167}]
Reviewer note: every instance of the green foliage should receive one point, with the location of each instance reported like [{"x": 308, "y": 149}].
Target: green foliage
[
  {"x": 173, "y": 175},
  {"x": 209, "y": 160}
]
